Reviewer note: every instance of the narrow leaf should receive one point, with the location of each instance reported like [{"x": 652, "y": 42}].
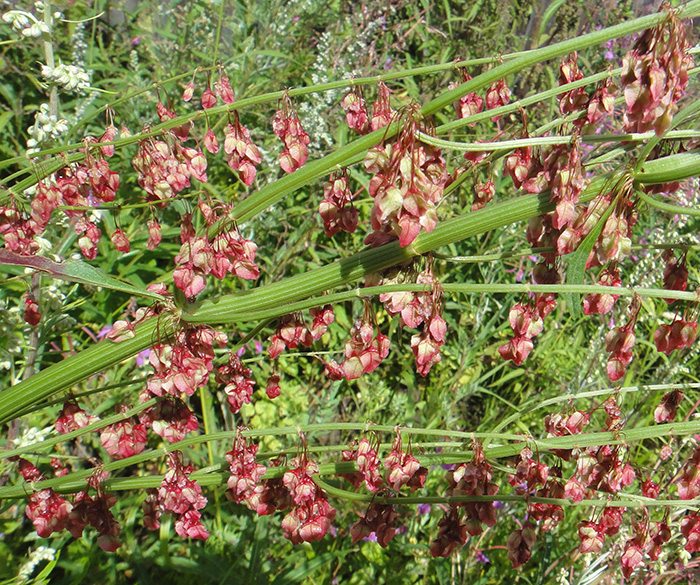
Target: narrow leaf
[
  {"x": 577, "y": 262},
  {"x": 74, "y": 271}
]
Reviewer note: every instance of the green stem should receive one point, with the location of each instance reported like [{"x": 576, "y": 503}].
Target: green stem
[
  {"x": 550, "y": 140},
  {"x": 670, "y": 208}
]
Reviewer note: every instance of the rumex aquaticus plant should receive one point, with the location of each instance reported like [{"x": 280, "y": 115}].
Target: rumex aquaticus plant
[{"x": 578, "y": 213}]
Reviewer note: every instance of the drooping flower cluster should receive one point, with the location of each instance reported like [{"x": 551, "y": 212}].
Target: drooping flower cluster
[
  {"x": 164, "y": 167},
  {"x": 378, "y": 519},
  {"x": 95, "y": 511},
  {"x": 675, "y": 273},
  {"x": 497, "y": 95},
  {"x": 452, "y": 534},
  {"x": 356, "y": 115},
  {"x": 124, "y": 438},
  {"x": 246, "y": 473},
  {"x": 292, "y": 331},
  {"x": 364, "y": 351},
  {"x": 680, "y": 334},
  {"x": 367, "y": 463},
  {"x": 599, "y": 104},
  {"x": 603, "y": 302},
  {"x": 240, "y": 152},
  {"x": 184, "y": 365},
  {"x": 51, "y": 513},
  {"x": 469, "y": 104},
  {"x": 520, "y": 544},
  {"x": 72, "y": 417},
  {"x": 667, "y": 410},
  {"x": 474, "y": 479},
  {"x": 655, "y": 76},
  {"x": 382, "y": 113},
  {"x": 408, "y": 182},
  {"x": 237, "y": 382},
  {"x": 402, "y": 468},
  {"x": 83, "y": 185},
  {"x": 170, "y": 418},
  {"x": 336, "y": 207},
  {"x": 286, "y": 125},
  {"x": 416, "y": 309},
  {"x": 182, "y": 497},
  {"x": 48, "y": 511},
  {"x": 533, "y": 477},
  {"x": 592, "y": 534},
  {"x": 226, "y": 252},
  {"x": 311, "y": 515},
  {"x": 619, "y": 342},
  {"x": 526, "y": 322}
]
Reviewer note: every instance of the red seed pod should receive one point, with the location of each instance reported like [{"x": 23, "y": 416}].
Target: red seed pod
[
  {"x": 224, "y": 91},
  {"x": 356, "y": 110},
  {"x": 667, "y": 410},
  {"x": 32, "y": 314},
  {"x": 497, "y": 95},
  {"x": 124, "y": 439},
  {"x": 189, "y": 92},
  {"x": 208, "y": 99},
  {"x": 272, "y": 388},
  {"x": 379, "y": 518},
  {"x": 591, "y": 537},
  {"x": 154, "y": 234},
  {"x": 287, "y": 126},
  {"x": 246, "y": 473},
  {"x": 72, "y": 417},
  {"x": 452, "y": 535},
  {"x": 120, "y": 240},
  {"x": 470, "y": 104},
  {"x": 520, "y": 544},
  {"x": 484, "y": 194},
  {"x": 382, "y": 113}
]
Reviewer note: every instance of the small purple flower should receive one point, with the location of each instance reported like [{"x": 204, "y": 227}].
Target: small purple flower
[
  {"x": 371, "y": 538},
  {"x": 142, "y": 357},
  {"x": 258, "y": 347},
  {"x": 481, "y": 557},
  {"x": 104, "y": 331},
  {"x": 498, "y": 504},
  {"x": 424, "y": 508}
]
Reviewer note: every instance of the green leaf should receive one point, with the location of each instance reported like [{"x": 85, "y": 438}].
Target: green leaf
[
  {"x": 74, "y": 271},
  {"x": 548, "y": 14},
  {"x": 5, "y": 117},
  {"x": 577, "y": 262},
  {"x": 46, "y": 571}
]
